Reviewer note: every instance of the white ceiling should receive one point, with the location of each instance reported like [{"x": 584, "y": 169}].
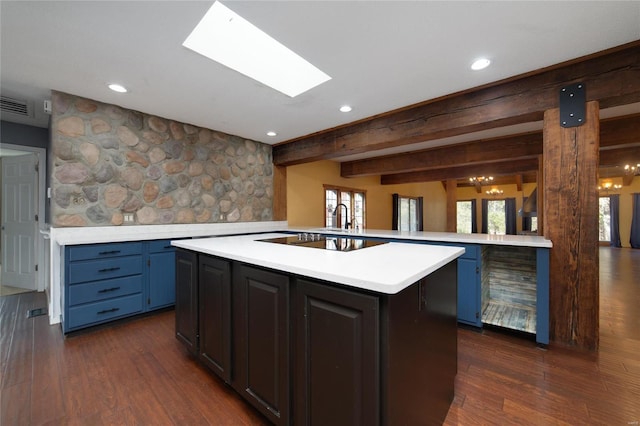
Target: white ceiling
[{"x": 381, "y": 55}]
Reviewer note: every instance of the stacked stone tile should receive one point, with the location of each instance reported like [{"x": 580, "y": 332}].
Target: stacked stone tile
[{"x": 107, "y": 161}]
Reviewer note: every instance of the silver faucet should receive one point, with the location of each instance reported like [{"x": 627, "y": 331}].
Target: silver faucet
[{"x": 346, "y": 212}]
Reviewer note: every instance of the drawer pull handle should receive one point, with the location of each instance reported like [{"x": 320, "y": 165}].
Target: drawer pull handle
[
  {"x": 109, "y": 269},
  {"x": 108, "y": 311},
  {"x": 169, "y": 246},
  {"x": 110, "y": 252},
  {"x": 106, "y": 290}
]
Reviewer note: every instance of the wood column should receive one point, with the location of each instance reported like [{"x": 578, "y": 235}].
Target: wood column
[
  {"x": 452, "y": 206},
  {"x": 540, "y": 194},
  {"x": 571, "y": 223},
  {"x": 279, "y": 192}
]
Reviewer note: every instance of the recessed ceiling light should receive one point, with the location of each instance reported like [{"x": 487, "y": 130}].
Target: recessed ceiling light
[
  {"x": 227, "y": 38},
  {"x": 480, "y": 64},
  {"x": 271, "y": 133},
  {"x": 118, "y": 88},
  {"x": 345, "y": 108}
]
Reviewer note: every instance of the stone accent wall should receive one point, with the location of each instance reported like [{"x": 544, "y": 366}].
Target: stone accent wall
[{"x": 108, "y": 162}]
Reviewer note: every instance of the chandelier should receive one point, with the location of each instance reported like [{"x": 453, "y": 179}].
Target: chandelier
[
  {"x": 481, "y": 180},
  {"x": 632, "y": 170},
  {"x": 494, "y": 192},
  {"x": 608, "y": 186}
]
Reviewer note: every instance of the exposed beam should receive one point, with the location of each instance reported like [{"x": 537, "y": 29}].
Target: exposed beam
[
  {"x": 509, "y": 167},
  {"x": 620, "y": 156},
  {"x": 519, "y": 182},
  {"x": 612, "y": 77},
  {"x": 490, "y": 150},
  {"x": 610, "y": 157},
  {"x": 613, "y": 132}
]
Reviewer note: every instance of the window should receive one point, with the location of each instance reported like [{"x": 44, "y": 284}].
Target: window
[
  {"x": 353, "y": 199},
  {"x": 496, "y": 217},
  {"x": 464, "y": 217},
  {"x": 409, "y": 213},
  {"x": 604, "y": 219}
]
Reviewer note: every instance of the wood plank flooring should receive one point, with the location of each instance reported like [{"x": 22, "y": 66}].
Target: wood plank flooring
[{"x": 138, "y": 373}]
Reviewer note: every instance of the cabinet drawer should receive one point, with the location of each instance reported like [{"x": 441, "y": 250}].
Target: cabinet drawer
[
  {"x": 105, "y": 289},
  {"x": 93, "y": 313},
  {"x": 158, "y": 246},
  {"x": 99, "y": 251},
  {"x": 92, "y": 270}
]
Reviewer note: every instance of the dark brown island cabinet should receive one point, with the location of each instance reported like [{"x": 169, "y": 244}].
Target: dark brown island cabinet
[{"x": 308, "y": 352}]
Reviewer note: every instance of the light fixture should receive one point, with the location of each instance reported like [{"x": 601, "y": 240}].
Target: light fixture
[
  {"x": 494, "y": 192},
  {"x": 632, "y": 170},
  {"x": 345, "y": 108},
  {"x": 227, "y": 38},
  {"x": 118, "y": 88},
  {"x": 480, "y": 64},
  {"x": 608, "y": 186},
  {"x": 481, "y": 180},
  {"x": 271, "y": 133}
]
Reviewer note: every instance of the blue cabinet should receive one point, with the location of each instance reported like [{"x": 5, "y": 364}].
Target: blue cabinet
[
  {"x": 162, "y": 272},
  {"x": 105, "y": 282}
]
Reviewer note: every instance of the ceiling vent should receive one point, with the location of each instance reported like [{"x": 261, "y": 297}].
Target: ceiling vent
[{"x": 15, "y": 106}]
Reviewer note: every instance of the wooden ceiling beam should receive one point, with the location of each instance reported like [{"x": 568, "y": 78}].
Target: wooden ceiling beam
[
  {"x": 612, "y": 77},
  {"x": 613, "y": 132},
  {"x": 502, "y": 168},
  {"x": 608, "y": 158}
]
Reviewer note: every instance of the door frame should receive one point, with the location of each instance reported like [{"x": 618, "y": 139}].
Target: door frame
[{"x": 41, "y": 246}]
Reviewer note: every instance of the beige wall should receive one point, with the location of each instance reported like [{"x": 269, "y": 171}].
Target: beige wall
[{"x": 305, "y": 196}]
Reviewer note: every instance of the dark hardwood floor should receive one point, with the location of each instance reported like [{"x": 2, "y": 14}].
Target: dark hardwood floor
[{"x": 138, "y": 373}]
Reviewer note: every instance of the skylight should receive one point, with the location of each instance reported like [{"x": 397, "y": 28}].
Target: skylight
[{"x": 227, "y": 38}]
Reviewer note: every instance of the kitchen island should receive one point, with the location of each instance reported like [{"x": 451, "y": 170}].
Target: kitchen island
[
  {"x": 326, "y": 336},
  {"x": 503, "y": 280}
]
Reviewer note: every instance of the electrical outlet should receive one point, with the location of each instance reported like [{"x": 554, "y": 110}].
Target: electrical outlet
[{"x": 128, "y": 217}]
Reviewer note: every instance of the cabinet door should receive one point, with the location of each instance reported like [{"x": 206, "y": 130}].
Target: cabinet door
[
  {"x": 187, "y": 299},
  {"x": 215, "y": 315},
  {"x": 262, "y": 335},
  {"x": 468, "y": 292},
  {"x": 162, "y": 284},
  {"x": 337, "y": 356}
]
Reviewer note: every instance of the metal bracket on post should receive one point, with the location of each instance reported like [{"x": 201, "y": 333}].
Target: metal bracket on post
[{"x": 573, "y": 99}]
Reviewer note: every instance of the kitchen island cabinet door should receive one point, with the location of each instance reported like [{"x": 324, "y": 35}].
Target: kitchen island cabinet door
[
  {"x": 214, "y": 315},
  {"x": 262, "y": 340},
  {"x": 187, "y": 299},
  {"x": 337, "y": 356}
]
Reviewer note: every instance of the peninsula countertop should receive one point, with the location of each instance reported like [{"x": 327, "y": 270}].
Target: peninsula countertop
[{"x": 386, "y": 268}]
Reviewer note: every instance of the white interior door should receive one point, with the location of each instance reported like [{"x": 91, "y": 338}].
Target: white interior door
[{"x": 19, "y": 222}]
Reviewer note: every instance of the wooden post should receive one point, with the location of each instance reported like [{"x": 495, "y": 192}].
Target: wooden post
[
  {"x": 279, "y": 192},
  {"x": 571, "y": 222},
  {"x": 540, "y": 196},
  {"x": 452, "y": 206}
]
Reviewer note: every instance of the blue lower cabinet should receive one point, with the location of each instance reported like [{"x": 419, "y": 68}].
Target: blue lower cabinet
[
  {"x": 105, "y": 282},
  {"x": 95, "y": 313},
  {"x": 162, "y": 273},
  {"x": 468, "y": 292}
]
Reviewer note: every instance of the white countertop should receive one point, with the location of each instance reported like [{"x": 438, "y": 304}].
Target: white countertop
[
  {"x": 386, "y": 268},
  {"x": 108, "y": 234}
]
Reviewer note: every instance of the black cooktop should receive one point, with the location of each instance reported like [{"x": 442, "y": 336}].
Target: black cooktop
[{"x": 324, "y": 242}]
